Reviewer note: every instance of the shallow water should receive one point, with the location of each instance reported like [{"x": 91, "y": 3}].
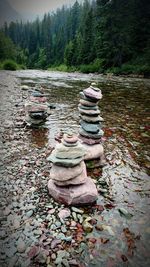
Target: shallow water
[{"x": 124, "y": 240}]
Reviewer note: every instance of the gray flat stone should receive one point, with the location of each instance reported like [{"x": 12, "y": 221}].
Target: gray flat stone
[
  {"x": 90, "y": 127},
  {"x": 87, "y": 103},
  {"x": 64, "y": 162},
  {"x": 91, "y": 119},
  {"x": 63, "y": 152},
  {"x": 91, "y": 135},
  {"x": 88, "y": 107},
  {"x": 89, "y": 112}
]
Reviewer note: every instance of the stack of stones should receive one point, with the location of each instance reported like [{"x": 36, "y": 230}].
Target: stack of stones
[
  {"x": 68, "y": 182},
  {"x": 36, "y": 109},
  {"x": 90, "y": 131}
]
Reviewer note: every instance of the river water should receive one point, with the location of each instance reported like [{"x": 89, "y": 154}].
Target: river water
[{"x": 124, "y": 239}]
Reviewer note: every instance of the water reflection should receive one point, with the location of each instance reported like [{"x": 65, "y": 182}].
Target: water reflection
[{"x": 38, "y": 137}]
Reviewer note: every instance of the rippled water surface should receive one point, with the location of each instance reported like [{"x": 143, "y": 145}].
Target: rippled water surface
[{"x": 125, "y": 239}]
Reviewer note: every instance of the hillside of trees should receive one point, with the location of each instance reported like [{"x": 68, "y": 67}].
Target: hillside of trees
[{"x": 95, "y": 36}]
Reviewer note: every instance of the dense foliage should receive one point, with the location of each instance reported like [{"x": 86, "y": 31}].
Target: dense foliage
[{"x": 98, "y": 36}]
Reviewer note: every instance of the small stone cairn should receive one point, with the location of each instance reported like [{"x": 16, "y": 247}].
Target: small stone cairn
[
  {"x": 68, "y": 182},
  {"x": 36, "y": 109},
  {"x": 90, "y": 132}
]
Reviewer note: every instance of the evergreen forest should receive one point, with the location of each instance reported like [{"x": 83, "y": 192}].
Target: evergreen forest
[{"x": 103, "y": 36}]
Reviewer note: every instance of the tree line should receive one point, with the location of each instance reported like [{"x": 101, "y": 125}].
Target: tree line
[{"x": 92, "y": 36}]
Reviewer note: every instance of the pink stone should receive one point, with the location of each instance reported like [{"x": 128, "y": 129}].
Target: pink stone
[
  {"x": 64, "y": 213},
  {"x": 61, "y": 173},
  {"x": 89, "y": 112},
  {"x": 89, "y": 141},
  {"x": 93, "y": 93},
  {"x": 31, "y": 107},
  {"x": 41, "y": 99},
  {"x": 94, "y": 151},
  {"x": 87, "y": 103},
  {"x": 70, "y": 138},
  {"x": 74, "y": 195},
  {"x": 80, "y": 179}
]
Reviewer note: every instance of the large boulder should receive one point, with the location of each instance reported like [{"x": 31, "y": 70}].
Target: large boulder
[{"x": 74, "y": 194}]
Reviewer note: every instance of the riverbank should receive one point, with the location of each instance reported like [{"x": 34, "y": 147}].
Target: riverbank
[
  {"x": 127, "y": 70},
  {"x": 133, "y": 71},
  {"x": 37, "y": 231}
]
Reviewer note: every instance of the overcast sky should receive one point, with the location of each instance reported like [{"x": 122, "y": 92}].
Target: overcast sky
[{"x": 38, "y": 6}]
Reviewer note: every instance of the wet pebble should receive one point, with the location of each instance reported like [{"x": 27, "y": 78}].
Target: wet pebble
[
  {"x": 21, "y": 246},
  {"x": 64, "y": 213},
  {"x": 77, "y": 210},
  {"x": 74, "y": 215},
  {"x": 87, "y": 227},
  {"x": 29, "y": 213}
]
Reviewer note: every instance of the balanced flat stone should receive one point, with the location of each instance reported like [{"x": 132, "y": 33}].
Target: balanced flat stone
[
  {"x": 87, "y": 103},
  {"x": 61, "y": 173},
  {"x": 69, "y": 144},
  {"x": 88, "y": 107},
  {"x": 32, "y": 121},
  {"x": 63, "y": 152},
  {"x": 90, "y": 127},
  {"x": 89, "y": 112},
  {"x": 94, "y": 151},
  {"x": 30, "y": 107},
  {"x": 38, "y": 115},
  {"x": 80, "y": 179},
  {"x": 89, "y": 141},
  {"x": 41, "y": 99},
  {"x": 91, "y": 119},
  {"x": 70, "y": 138},
  {"x": 64, "y": 162},
  {"x": 74, "y": 194},
  {"x": 93, "y": 93},
  {"x": 83, "y": 96},
  {"x": 91, "y": 135}
]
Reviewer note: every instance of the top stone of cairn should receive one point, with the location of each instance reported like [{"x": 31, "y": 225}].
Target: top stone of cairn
[{"x": 93, "y": 92}]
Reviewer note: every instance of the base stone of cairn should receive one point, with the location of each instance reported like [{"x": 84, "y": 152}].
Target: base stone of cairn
[
  {"x": 36, "y": 109},
  {"x": 90, "y": 132},
  {"x": 68, "y": 182},
  {"x": 74, "y": 195}
]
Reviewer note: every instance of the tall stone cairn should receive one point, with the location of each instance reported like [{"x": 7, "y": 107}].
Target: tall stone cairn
[
  {"x": 68, "y": 182},
  {"x": 90, "y": 132}
]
